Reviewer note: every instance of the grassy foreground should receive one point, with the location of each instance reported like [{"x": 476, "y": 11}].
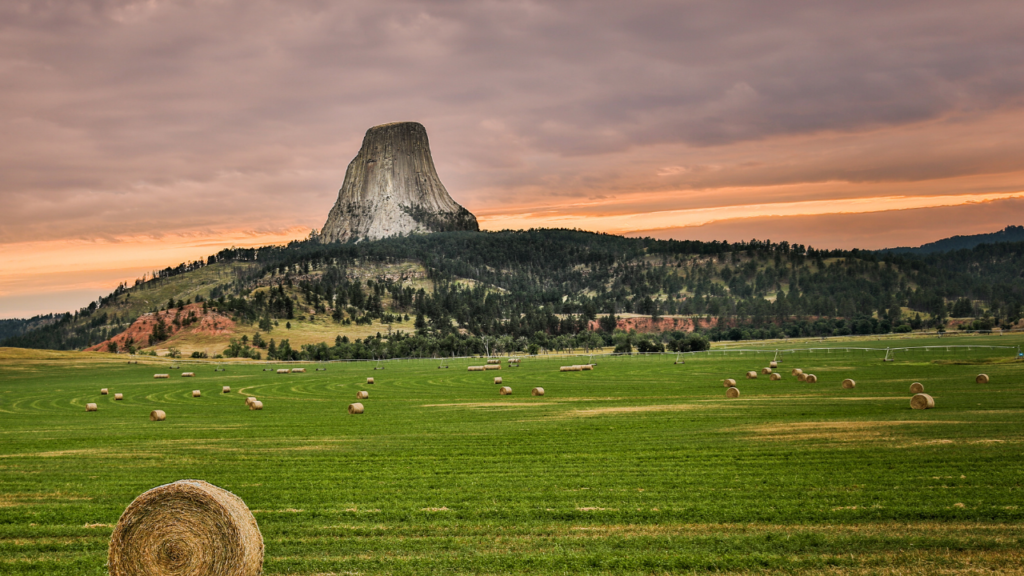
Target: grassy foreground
[{"x": 638, "y": 467}]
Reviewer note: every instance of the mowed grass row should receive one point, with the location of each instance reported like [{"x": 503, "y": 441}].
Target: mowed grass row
[{"x": 639, "y": 466}]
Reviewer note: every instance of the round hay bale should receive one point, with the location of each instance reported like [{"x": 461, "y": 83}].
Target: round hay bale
[
  {"x": 298, "y": 370},
  {"x": 475, "y": 368},
  {"x": 91, "y": 407},
  {"x": 766, "y": 370},
  {"x": 773, "y": 364},
  {"x": 916, "y": 388},
  {"x": 188, "y": 527},
  {"x": 801, "y": 377},
  {"x": 250, "y": 400},
  {"x": 492, "y": 367},
  {"x": 538, "y": 391},
  {"x": 362, "y": 395},
  {"x": 796, "y": 372},
  {"x": 494, "y": 361},
  {"x": 196, "y": 393},
  {"x": 118, "y": 396},
  {"x": 849, "y": 384},
  {"x": 732, "y": 393},
  {"x": 751, "y": 375},
  {"x": 811, "y": 378},
  {"x": 103, "y": 391},
  {"x": 982, "y": 379},
  {"x": 188, "y": 374},
  {"x": 775, "y": 376},
  {"x": 256, "y": 405},
  {"x": 505, "y": 391},
  {"x": 497, "y": 379},
  {"x": 729, "y": 383},
  {"x": 587, "y": 367},
  {"x": 283, "y": 371},
  {"x": 356, "y": 408},
  {"x": 565, "y": 368},
  {"x": 157, "y": 416},
  {"x": 225, "y": 390},
  {"x": 369, "y": 380},
  {"x": 922, "y": 402},
  {"x": 161, "y": 375}
]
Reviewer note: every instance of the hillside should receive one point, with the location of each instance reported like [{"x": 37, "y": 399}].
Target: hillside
[
  {"x": 1008, "y": 234},
  {"x": 464, "y": 292}
]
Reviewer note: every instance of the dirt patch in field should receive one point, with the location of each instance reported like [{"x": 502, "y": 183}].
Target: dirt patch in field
[
  {"x": 842, "y": 431},
  {"x": 486, "y": 405},
  {"x": 633, "y": 409}
]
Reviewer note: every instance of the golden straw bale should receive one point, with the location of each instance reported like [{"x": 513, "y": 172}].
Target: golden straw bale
[
  {"x": 475, "y": 368},
  {"x": 283, "y": 371},
  {"x": 256, "y": 405},
  {"x": 103, "y": 391},
  {"x": 773, "y": 364},
  {"x": 91, "y": 407},
  {"x": 118, "y": 396},
  {"x": 250, "y": 400},
  {"x": 355, "y": 408},
  {"x": 916, "y": 388},
  {"x": 188, "y": 374},
  {"x": 157, "y": 416},
  {"x": 775, "y": 376},
  {"x": 494, "y": 361},
  {"x": 369, "y": 380},
  {"x": 497, "y": 379},
  {"x": 538, "y": 391},
  {"x": 225, "y": 389},
  {"x": 362, "y": 395},
  {"x": 796, "y": 372},
  {"x": 811, "y": 378},
  {"x": 587, "y": 367},
  {"x": 729, "y": 383},
  {"x": 161, "y": 375},
  {"x": 922, "y": 402},
  {"x": 801, "y": 377},
  {"x": 188, "y": 527},
  {"x": 505, "y": 391},
  {"x": 196, "y": 393},
  {"x": 298, "y": 370},
  {"x": 565, "y": 369},
  {"x": 732, "y": 392},
  {"x": 766, "y": 370},
  {"x": 492, "y": 367},
  {"x": 982, "y": 379},
  {"x": 751, "y": 375}
]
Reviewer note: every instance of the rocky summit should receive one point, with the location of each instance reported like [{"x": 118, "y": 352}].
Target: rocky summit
[{"x": 391, "y": 188}]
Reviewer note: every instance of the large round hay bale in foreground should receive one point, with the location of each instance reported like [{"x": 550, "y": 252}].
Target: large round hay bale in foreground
[
  {"x": 849, "y": 383},
  {"x": 196, "y": 393},
  {"x": 766, "y": 370},
  {"x": 157, "y": 416},
  {"x": 188, "y": 374},
  {"x": 810, "y": 378},
  {"x": 751, "y": 375},
  {"x": 103, "y": 391},
  {"x": 497, "y": 379},
  {"x": 118, "y": 396},
  {"x": 916, "y": 388},
  {"x": 538, "y": 391},
  {"x": 355, "y": 408},
  {"x": 369, "y": 380},
  {"x": 189, "y": 527},
  {"x": 728, "y": 383},
  {"x": 773, "y": 364},
  {"x": 225, "y": 389},
  {"x": 982, "y": 379},
  {"x": 922, "y": 402},
  {"x": 775, "y": 376},
  {"x": 161, "y": 375},
  {"x": 732, "y": 393},
  {"x": 250, "y": 400},
  {"x": 256, "y": 405},
  {"x": 362, "y": 395},
  {"x": 796, "y": 372},
  {"x": 505, "y": 391},
  {"x": 91, "y": 407}
]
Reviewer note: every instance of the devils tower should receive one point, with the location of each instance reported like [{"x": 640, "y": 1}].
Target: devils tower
[{"x": 391, "y": 187}]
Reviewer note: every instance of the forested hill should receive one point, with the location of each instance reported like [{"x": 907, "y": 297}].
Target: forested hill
[
  {"x": 521, "y": 283},
  {"x": 1008, "y": 234}
]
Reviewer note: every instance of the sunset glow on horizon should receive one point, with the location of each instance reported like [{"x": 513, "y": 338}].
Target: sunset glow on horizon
[{"x": 140, "y": 135}]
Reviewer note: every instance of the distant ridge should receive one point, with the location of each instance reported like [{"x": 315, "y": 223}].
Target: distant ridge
[{"x": 1008, "y": 234}]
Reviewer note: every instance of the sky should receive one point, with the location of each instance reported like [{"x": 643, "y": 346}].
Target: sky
[{"x": 140, "y": 134}]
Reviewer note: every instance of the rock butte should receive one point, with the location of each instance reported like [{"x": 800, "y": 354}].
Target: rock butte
[{"x": 391, "y": 188}]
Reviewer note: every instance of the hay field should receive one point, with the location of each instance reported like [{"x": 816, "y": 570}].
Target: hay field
[{"x": 640, "y": 466}]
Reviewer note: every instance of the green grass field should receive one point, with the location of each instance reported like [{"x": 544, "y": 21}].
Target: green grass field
[{"x": 638, "y": 467}]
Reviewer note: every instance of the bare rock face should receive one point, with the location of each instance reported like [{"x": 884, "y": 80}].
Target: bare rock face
[{"x": 391, "y": 188}]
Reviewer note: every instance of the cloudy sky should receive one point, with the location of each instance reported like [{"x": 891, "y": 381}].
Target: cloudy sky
[{"x": 138, "y": 134}]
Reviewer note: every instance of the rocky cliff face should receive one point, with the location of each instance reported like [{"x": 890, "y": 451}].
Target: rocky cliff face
[{"x": 391, "y": 188}]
